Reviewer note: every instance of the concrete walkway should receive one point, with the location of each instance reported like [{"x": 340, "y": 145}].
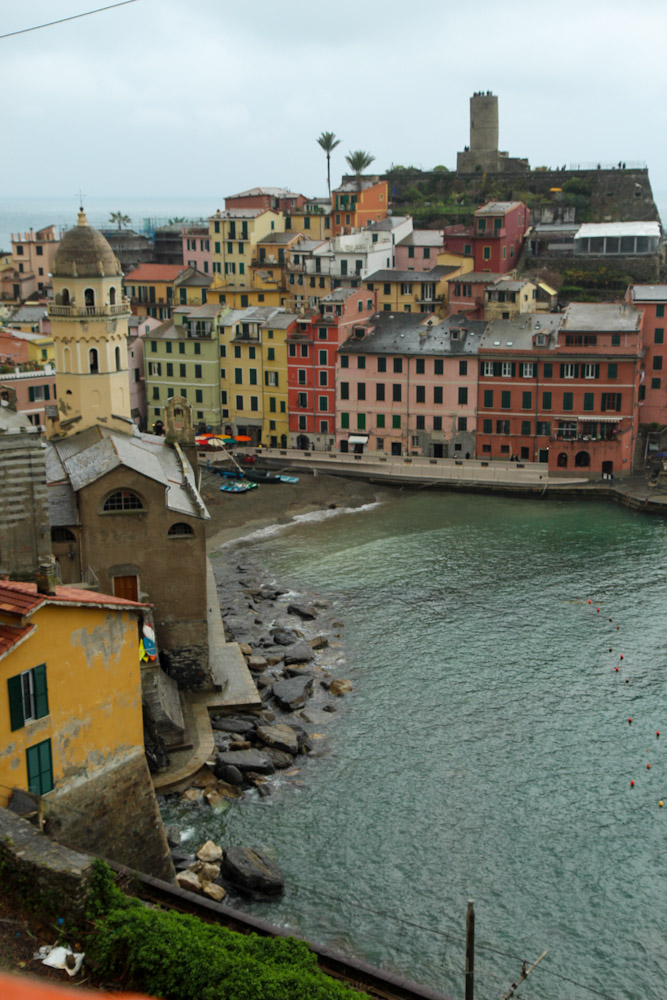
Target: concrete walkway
[{"x": 234, "y": 688}]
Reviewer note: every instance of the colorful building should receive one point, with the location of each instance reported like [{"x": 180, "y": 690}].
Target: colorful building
[
  {"x": 278, "y": 199},
  {"x": 197, "y": 248},
  {"x": 509, "y": 297},
  {"x": 357, "y": 202},
  {"x": 234, "y": 235},
  {"x": 500, "y": 227},
  {"x": 467, "y": 292},
  {"x": 33, "y": 254},
  {"x": 312, "y": 349},
  {"x": 34, "y": 390},
  {"x": 150, "y": 289},
  {"x": 652, "y": 300},
  {"x": 419, "y": 250},
  {"x": 407, "y": 385},
  {"x": 137, "y": 328},
  {"x": 412, "y": 291}
]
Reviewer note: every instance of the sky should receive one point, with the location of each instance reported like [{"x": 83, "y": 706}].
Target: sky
[{"x": 167, "y": 97}]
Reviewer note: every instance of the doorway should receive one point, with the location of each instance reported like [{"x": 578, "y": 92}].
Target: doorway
[{"x": 126, "y": 587}]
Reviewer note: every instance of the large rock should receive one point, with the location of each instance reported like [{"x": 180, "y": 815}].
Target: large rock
[
  {"x": 283, "y": 636},
  {"x": 292, "y": 692},
  {"x": 239, "y": 726},
  {"x": 188, "y": 880},
  {"x": 209, "y": 852},
  {"x": 319, "y": 642},
  {"x": 257, "y": 663},
  {"x": 252, "y": 873},
  {"x": 340, "y": 686},
  {"x": 279, "y": 758},
  {"x": 215, "y": 891},
  {"x": 301, "y": 611},
  {"x": 244, "y": 760},
  {"x": 300, "y": 652},
  {"x": 280, "y": 737}
]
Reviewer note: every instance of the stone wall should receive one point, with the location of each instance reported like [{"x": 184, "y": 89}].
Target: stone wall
[
  {"x": 53, "y": 876},
  {"x": 25, "y": 538},
  {"x": 114, "y": 815}
]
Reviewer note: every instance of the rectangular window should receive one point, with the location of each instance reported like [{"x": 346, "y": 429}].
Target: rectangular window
[
  {"x": 40, "y": 768},
  {"x": 659, "y": 335},
  {"x": 655, "y": 383},
  {"x": 379, "y": 392},
  {"x": 420, "y": 366},
  {"x": 344, "y": 361},
  {"x": 197, "y": 348},
  {"x": 301, "y": 376},
  {"x": 589, "y": 401},
  {"x": 463, "y": 367},
  {"x": 170, "y": 369},
  {"x": 488, "y": 397},
  {"x": 382, "y": 364},
  {"x": 568, "y": 400},
  {"x": 437, "y": 423},
  {"x": 361, "y": 390},
  {"x": 181, "y": 371},
  {"x": 548, "y": 369},
  {"x": 487, "y": 426},
  {"x": 380, "y": 419},
  {"x": 302, "y": 400},
  {"x": 345, "y": 421},
  {"x": 398, "y": 365},
  {"x": 323, "y": 403},
  {"x": 527, "y": 369},
  {"x": 323, "y": 378},
  {"x": 324, "y": 357},
  {"x": 463, "y": 423},
  {"x": 591, "y": 371},
  {"x": 238, "y": 376},
  {"x": 526, "y": 400},
  {"x": 612, "y": 371},
  {"x": 505, "y": 399},
  {"x": 525, "y": 426},
  {"x": 396, "y": 393},
  {"x": 421, "y": 423},
  {"x": 502, "y": 426},
  {"x": 344, "y": 390},
  {"x": 396, "y": 422},
  {"x": 153, "y": 346},
  {"x": 660, "y": 311},
  {"x": 28, "y": 697},
  {"x": 615, "y": 340},
  {"x": 198, "y": 371},
  {"x": 544, "y": 428},
  {"x": 254, "y": 403},
  {"x": 252, "y": 374},
  {"x": 437, "y": 394},
  {"x": 361, "y": 362},
  {"x": 438, "y": 366},
  {"x": 361, "y": 421},
  {"x": 657, "y": 362},
  {"x": 569, "y": 370},
  {"x": 507, "y": 369},
  {"x": 463, "y": 395},
  {"x": 420, "y": 393},
  {"x": 611, "y": 401},
  {"x": 156, "y": 392},
  {"x": 546, "y": 400}
]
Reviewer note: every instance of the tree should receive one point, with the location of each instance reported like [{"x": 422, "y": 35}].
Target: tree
[
  {"x": 120, "y": 219},
  {"x": 176, "y": 221},
  {"x": 328, "y": 142},
  {"x": 358, "y": 161}
]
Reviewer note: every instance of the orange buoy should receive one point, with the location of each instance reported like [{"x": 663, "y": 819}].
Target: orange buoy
[
  {"x": 589, "y": 601},
  {"x": 632, "y": 784},
  {"x": 616, "y": 669},
  {"x": 657, "y": 732},
  {"x": 630, "y": 721},
  {"x": 598, "y": 611},
  {"x": 621, "y": 655},
  {"x": 660, "y": 803},
  {"x": 648, "y": 767}
]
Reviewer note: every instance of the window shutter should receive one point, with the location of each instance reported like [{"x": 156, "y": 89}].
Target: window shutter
[
  {"x": 497, "y": 368},
  {"x": 513, "y": 369},
  {"x": 597, "y": 371},
  {"x": 562, "y": 371},
  {"x": 47, "y": 392},
  {"x": 31, "y": 393},
  {"x": 41, "y": 694},
  {"x": 603, "y": 404},
  {"x": 17, "y": 720},
  {"x": 576, "y": 371}
]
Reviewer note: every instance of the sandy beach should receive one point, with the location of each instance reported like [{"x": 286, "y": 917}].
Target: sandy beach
[{"x": 236, "y": 515}]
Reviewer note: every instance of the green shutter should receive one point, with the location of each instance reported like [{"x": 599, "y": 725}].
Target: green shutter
[
  {"x": 41, "y": 694},
  {"x": 47, "y": 392},
  {"x": 597, "y": 371},
  {"x": 31, "y": 393},
  {"x": 497, "y": 368},
  {"x": 17, "y": 719},
  {"x": 548, "y": 369},
  {"x": 40, "y": 768},
  {"x": 513, "y": 369}
]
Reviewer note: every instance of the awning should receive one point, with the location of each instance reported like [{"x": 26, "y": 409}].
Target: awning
[
  {"x": 358, "y": 439},
  {"x": 590, "y": 419}
]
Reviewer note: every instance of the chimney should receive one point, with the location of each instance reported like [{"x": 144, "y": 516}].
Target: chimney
[{"x": 46, "y": 577}]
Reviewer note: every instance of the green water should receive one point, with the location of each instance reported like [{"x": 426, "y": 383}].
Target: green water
[{"x": 486, "y": 751}]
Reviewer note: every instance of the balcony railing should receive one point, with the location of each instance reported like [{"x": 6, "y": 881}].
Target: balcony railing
[{"x": 116, "y": 310}]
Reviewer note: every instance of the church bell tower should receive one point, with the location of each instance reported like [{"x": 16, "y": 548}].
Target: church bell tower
[{"x": 89, "y": 318}]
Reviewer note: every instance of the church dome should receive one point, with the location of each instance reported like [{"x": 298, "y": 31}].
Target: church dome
[{"x": 84, "y": 253}]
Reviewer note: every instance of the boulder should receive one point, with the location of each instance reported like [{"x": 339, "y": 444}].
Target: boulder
[
  {"x": 209, "y": 852},
  {"x": 244, "y": 760},
  {"x": 173, "y": 835},
  {"x": 298, "y": 670},
  {"x": 188, "y": 880},
  {"x": 208, "y": 872},
  {"x": 279, "y": 759},
  {"x": 192, "y": 795},
  {"x": 216, "y": 800},
  {"x": 239, "y": 726},
  {"x": 216, "y": 892},
  {"x": 240, "y": 745},
  {"x": 319, "y": 642},
  {"x": 300, "y": 652},
  {"x": 252, "y": 873},
  {"x": 245, "y": 648},
  {"x": 301, "y": 611},
  {"x": 229, "y": 773},
  {"x": 283, "y": 636},
  {"x": 257, "y": 663},
  {"x": 229, "y": 790},
  {"x": 279, "y": 737},
  {"x": 340, "y": 686},
  {"x": 293, "y": 692}
]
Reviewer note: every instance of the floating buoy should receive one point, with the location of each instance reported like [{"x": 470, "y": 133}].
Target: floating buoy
[
  {"x": 657, "y": 732},
  {"x": 627, "y": 680},
  {"x": 611, "y": 619},
  {"x": 648, "y": 766},
  {"x": 611, "y": 650},
  {"x": 598, "y": 611},
  {"x": 660, "y": 803},
  {"x": 589, "y": 601},
  {"x": 621, "y": 655},
  {"x": 616, "y": 669},
  {"x": 617, "y": 627},
  {"x": 632, "y": 784},
  {"x": 630, "y": 721}
]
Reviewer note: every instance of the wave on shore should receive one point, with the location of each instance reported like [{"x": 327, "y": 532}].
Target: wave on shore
[{"x": 261, "y": 534}]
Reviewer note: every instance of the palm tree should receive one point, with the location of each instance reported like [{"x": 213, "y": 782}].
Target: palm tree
[
  {"x": 358, "y": 161},
  {"x": 328, "y": 142},
  {"x": 121, "y": 219},
  {"x": 176, "y": 221}
]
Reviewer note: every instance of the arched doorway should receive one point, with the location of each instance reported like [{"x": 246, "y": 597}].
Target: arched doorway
[
  {"x": 93, "y": 361},
  {"x": 112, "y": 296},
  {"x": 562, "y": 460},
  {"x": 582, "y": 460},
  {"x": 302, "y": 443},
  {"x": 89, "y": 296},
  {"x": 65, "y": 296}
]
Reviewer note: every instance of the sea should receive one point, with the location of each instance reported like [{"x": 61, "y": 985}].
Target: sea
[
  {"x": 509, "y": 671},
  {"x": 20, "y": 214}
]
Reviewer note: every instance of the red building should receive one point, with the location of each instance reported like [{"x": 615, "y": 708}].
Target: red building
[
  {"x": 562, "y": 390},
  {"x": 467, "y": 293},
  {"x": 500, "y": 227},
  {"x": 279, "y": 199},
  {"x": 311, "y": 364},
  {"x": 355, "y": 204},
  {"x": 652, "y": 299}
]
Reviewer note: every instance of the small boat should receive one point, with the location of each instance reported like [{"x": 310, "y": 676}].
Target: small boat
[
  {"x": 288, "y": 479},
  {"x": 236, "y": 486},
  {"x": 261, "y": 476}
]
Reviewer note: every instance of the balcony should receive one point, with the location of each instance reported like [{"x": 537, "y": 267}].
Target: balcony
[{"x": 120, "y": 309}]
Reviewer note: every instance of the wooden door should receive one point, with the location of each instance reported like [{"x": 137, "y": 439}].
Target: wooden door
[{"x": 127, "y": 587}]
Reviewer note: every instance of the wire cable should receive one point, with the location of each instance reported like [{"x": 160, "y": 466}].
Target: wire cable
[{"x": 61, "y": 20}]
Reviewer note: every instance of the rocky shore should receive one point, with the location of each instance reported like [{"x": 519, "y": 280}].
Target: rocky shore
[{"x": 292, "y": 645}]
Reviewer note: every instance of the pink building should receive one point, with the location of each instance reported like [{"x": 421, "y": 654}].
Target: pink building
[
  {"x": 419, "y": 251},
  {"x": 279, "y": 199},
  {"x": 33, "y": 254},
  {"x": 33, "y": 391},
  {"x": 652, "y": 300},
  {"x": 467, "y": 293},
  {"x": 138, "y": 327},
  {"x": 197, "y": 248},
  {"x": 409, "y": 387}
]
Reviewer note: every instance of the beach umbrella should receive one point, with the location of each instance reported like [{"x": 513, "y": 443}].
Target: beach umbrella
[{"x": 242, "y": 438}]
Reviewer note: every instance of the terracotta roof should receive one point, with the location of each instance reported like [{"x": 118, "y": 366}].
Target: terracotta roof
[
  {"x": 155, "y": 272},
  {"x": 11, "y": 635},
  {"x": 18, "y": 597}
]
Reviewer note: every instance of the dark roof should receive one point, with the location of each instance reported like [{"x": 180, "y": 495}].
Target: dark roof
[
  {"x": 391, "y": 274},
  {"x": 84, "y": 253},
  {"x": 279, "y": 238},
  {"x": 479, "y": 277},
  {"x": 191, "y": 276},
  {"x": 406, "y": 333}
]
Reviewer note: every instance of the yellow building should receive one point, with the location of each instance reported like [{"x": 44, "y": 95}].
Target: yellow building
[
  {"x": 412, "y": 291},
  {"x": 234, "y": 236},
  {"x": 313, "y": 220},
  {"x": 253, "y": 370},
  {"x": 150, "y": 289},
  {"x": 191, "y": 288},
  {"x": 71, "y": 685}
]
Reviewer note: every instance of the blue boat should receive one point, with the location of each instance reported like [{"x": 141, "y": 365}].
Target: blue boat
[{"x": 288, "y": 479}]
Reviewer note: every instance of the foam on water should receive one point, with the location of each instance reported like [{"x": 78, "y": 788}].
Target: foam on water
[{"x": 312, "y": 517}]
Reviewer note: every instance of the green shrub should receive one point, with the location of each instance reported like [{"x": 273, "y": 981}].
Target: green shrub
[{"x": 179, "y": 957}]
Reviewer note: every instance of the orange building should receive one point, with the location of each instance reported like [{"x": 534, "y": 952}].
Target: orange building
[{"x": 357, "y": 202}]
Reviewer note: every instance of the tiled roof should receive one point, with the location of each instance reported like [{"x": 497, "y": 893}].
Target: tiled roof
[
  {"x": 20, "y": 598},
  {"x": 11, "y": 635},
  {"x": 155, "y": 272}
]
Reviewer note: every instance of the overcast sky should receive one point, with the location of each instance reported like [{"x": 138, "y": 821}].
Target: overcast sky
[{"x": 207, "y": 97}]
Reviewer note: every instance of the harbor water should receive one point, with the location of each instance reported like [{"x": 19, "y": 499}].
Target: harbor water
[{"x": 485, "y": 751}]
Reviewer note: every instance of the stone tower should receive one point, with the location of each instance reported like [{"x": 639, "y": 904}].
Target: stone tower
[
  {"x": 89, "y": 323},
  {"x": 484, "y": 123}
]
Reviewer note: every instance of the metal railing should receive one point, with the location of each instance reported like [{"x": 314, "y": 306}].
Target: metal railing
[{"x": 116, "y": 310}]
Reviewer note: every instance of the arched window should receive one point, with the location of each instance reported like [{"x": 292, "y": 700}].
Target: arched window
[
  {"x": 112, "y": 296},
  {"x": 123, "y": 500},
  {"x": 180, "y": 530},
  {"x": 62, "y": 535},
  {"x": 89, "y": 296},
  {"x": 65, "y": 296},
  {"x": 93, "y": 361},
  {"x": 582, "y": 460},
  {"x": 562, "y": 460},
  {"x": 117, "y": 353}
]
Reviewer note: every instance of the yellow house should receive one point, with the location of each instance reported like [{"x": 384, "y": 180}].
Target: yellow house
[
  {"x": 191, "y": 288},
  {"x": 234, "y": 235},
  {"x": 412, "y": 291},
  {"x": 446, "y": 258},
  {"x": 314, "y": 221},
  {"x": 244, "y": 298},
  {"x": 150, "y": 289},
  {"x": 253, "y": 372},
  {"x": 70, "y": 692}
]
